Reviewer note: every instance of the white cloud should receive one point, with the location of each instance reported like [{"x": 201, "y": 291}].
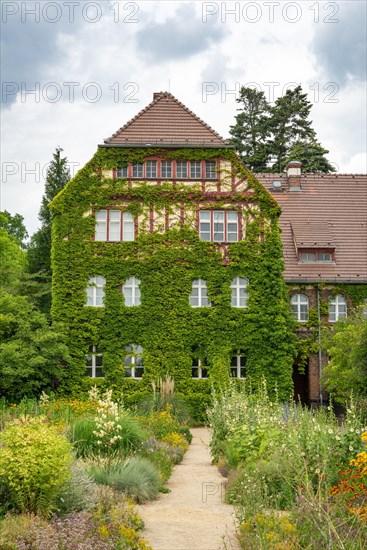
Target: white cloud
[{"x": 226, "y": 53}]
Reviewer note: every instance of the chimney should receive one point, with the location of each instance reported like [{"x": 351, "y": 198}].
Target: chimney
[{"x": 294, "y": 175}]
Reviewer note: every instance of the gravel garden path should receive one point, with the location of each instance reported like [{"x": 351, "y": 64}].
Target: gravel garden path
[{"x": 193, "y": 516}]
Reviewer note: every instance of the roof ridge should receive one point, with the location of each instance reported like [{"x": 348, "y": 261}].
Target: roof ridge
[
  {"x": 159, "y": 97},
  {"x": 192, "y": 114},
  {"x": 132, "y": 119}
]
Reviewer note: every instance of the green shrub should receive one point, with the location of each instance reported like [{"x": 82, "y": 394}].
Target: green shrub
[
  {"x": 197, "y": 404},
  {"x": 161, "y": 460},
  {"x": 138, "y": 478},
  {"x": 160, "y": 423},
  {"x": 34, "y": 462},
  {"x": 85, "y": 439},
  {"x": 185, "y": 431},
  {"x": 79, "y": 493}
]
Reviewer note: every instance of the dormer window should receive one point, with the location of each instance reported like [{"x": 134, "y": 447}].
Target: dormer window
[{"x": 315, "y": 255}]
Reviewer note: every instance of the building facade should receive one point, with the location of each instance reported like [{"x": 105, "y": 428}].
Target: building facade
[
  {"x": 324, "y": 234},
  {"x": 167, "y": 258}
]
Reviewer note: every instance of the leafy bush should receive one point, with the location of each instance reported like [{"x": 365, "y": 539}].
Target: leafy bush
[
  {"x": 80, "y": 493},
  {"x": 34, "y": 461},
  {"x": 138, "y": 478},
  {"x": 185, "y": 431}
]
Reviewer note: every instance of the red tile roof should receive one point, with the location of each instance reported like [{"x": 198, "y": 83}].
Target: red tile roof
[
  {"x": 330, "y": 211},
  {"x": 166, "y": 121}
]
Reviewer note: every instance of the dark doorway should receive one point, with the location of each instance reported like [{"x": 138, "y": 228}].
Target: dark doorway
[{"x": 300, "y": 384}]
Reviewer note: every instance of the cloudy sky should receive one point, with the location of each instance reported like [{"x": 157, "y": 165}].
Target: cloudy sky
[{"x": 75, "y": 71}]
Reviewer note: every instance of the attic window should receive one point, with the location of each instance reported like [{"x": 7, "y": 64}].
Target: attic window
[{"x": 315, "y": 255}]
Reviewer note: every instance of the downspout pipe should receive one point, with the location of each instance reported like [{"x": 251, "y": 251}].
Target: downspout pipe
[{"x": 319, "y": 344}]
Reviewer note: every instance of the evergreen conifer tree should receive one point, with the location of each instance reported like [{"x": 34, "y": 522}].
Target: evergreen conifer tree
[
  {"x": 268, "y": 137},
  {"x": 250, "y": 133},
  {"x": 39, "y": 250}
]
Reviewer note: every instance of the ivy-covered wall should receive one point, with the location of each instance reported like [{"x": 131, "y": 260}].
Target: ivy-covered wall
[{"x": 167, "y": 262}]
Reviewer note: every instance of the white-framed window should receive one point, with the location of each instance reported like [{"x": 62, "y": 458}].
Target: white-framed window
[
  {"x": 211, "y": 170},
  {"x": 195, "y": 169},
  {"x": 121, "y": 172},
  {"x": 138, "y": 170},
  {"x": 134, "y": 366},
  {"x": 166, "y": 169},
  {"x": 238, "y": 364},
  {"x": 299, "y": 307},
  {"x": 151, "y": 169},
  {"x": 324, "y": 257},
  {"x": 218, "y": 225},
  {"x": 337, "y": 308},
  {"x": 181, "y": 169},
  {"x": 239, "y": 293},
  {"x": 95, "y": 291},
  {"x": 199, "y": 294},
  {"x": 199, "y": 368},
  {"x": 131, "y": 292},
  {"x": 114, "y": 225},
  {"x": 94, "y": 363},
  {"x": 313, "y": 256}
]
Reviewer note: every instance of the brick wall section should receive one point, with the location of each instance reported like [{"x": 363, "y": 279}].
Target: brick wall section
[{"x": 313, "y": 364}]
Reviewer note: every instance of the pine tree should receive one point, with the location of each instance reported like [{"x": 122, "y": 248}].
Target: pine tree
[
  {"x": 289, "y": 124},
  {"x": 39, "y": 250},
  {"x": 312, "y": 156},
  {"x": 267, "y": 137},
  {"x": 250, "y": 133}
]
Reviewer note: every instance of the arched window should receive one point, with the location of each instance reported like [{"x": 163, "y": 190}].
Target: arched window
[
  {"x": 134, "y": 367},
  {"x": 131, "y": 292},
  {"x": 299, "y": 305},
  {"x": 337, "y": 308},
  {"x": 239, "y": 293},
  {"x": 199, "y": 294},
  {"x": 95, "y": 291}
]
